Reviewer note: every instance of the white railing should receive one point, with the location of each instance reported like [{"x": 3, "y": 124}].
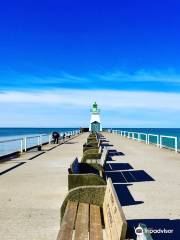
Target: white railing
[
  {"x": 145, "y": 137},
  {"x": 157, "y": 139},
  {"x": 8, "y": 146},
  {"x": 18, "y": 147},
  {"x": 170, "y": 137},
  {"x": 35, "y": 141},
  {"x": 142, "y": 140},
  {"x": 135, "y": 138}
]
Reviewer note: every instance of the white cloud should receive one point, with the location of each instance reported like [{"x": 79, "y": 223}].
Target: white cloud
[
  {"x": 107, "y": 99},
  {"x": 51, "y": 79},
  {"x": 141, "y": 76}
]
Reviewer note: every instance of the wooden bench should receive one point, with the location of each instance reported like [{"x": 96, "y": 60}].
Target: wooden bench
[
  {"x": 84, "y": 174},
  {"x": 99, "y": 140},
  {"x": 87, "y": 217},
  {"x": 103, "y": 158}
]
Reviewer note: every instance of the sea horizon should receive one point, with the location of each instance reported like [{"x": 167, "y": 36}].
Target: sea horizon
[{"x": 16, "y": 131}]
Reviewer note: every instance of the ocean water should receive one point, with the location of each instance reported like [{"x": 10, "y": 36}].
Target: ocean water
[
  {"x": 14, "y": 133},
  {"x": 19, "y": 133}
]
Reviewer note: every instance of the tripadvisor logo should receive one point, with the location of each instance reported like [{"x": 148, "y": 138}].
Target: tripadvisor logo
[{"x": 140, "y": 232}]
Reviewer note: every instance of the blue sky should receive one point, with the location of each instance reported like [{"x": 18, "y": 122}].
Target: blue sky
[{"x": 57, "y": 57}]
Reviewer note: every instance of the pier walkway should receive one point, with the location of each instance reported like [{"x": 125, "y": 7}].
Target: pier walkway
[
  {"x": 31, "y": 194},
  {"x": 146, "y": 179}
]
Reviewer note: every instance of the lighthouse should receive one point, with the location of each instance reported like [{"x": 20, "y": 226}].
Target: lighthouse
[{"x": 95, "y": 123}]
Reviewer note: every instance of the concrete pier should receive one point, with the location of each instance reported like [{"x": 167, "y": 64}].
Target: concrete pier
[
  {"x": 153, "y": 189},
  {"x": 31, "y": 194},
  {"x": 147, "y": 181}
]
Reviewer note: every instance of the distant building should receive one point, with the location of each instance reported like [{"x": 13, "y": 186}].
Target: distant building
[{"x": 95, "y": 123}]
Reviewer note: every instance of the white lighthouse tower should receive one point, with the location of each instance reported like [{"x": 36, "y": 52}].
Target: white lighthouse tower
[{"x": 95, "y": 123}]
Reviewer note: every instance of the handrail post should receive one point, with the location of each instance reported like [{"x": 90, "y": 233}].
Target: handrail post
[
  {"x": 21, "y": 146},
  {"x": 133, "y": 135},
  {"x": 49, "y": 139},
  {"x": 139, "y": 137},
  {"x": 146, "y": 138},
  {"x": 176, "y": 147},
  {"x": 25, "y": 144},
  {"x": 38, "y": 140},
  {"x": 160, "y": 145},
  {"x": 157, "y": 140}
]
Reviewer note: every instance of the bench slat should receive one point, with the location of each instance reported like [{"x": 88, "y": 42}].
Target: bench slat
[
  {"x": 67, "y": 224},
  {"x": 95, "y": 223},
  {"x": 82, "y": 222}
]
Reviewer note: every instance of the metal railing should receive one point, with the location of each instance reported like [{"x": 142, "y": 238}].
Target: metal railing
[
  {"x": 14, "y": 145},
  {"x": 140, "y": 139},
  {"x": 169, "y": 137},
  {"x": 161, "y": 141},
  {"x": 23, "y": 144},
  {"x": 157, "y": 139}
]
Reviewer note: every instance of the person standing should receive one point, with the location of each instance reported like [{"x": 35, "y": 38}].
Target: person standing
[{"x": 55, "y": 136}]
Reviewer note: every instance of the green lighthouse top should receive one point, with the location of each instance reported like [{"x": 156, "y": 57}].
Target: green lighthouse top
[{"x": 95, "y": 108}]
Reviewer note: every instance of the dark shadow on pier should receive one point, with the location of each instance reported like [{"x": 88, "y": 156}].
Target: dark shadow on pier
[
  {"x": 156, "y": 224},
  {"x": 129, "y": 176},
  {"x": 117, "y": 166},
  {"x": 104, "y": 140},
  {"x": 106, "y": 145},
  {"x": 122, "y": 176},
  {"x": 113, "y": 152},
  {"x": 9, "y": 156},
  {"x": 11, "y": 168},
  {"x": 124, "y": 195}
]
